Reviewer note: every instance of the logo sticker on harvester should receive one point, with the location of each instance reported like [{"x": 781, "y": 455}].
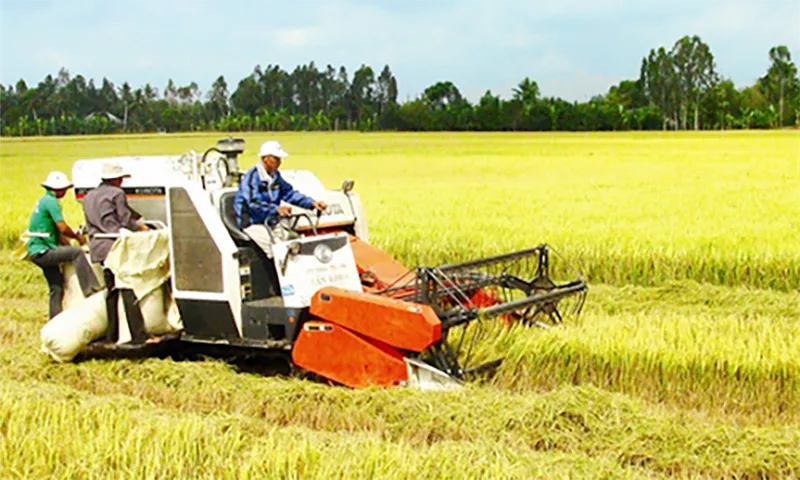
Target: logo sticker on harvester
[
  {"x": 321, "y": 261},
  {"x": 333, "y": 209},
  {"x": 334, "y": 274}
]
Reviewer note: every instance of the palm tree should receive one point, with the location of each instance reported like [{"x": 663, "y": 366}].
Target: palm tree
[
  {"x": 780, "y": 74},
  {"x": 527, "y": 92}
]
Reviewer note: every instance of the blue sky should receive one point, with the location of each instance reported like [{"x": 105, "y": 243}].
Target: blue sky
[{"x": 572, "y": 48}]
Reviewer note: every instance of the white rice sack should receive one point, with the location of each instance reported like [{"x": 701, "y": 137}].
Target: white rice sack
[
  {"x": 67, "y": 333},
  {"x": 73, "y": 294},
  {"x": 72, "y": 287},
  {"x": 159, "y": 311}
]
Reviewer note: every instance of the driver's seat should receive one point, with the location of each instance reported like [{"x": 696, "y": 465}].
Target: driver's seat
[{"x": 228, "y": 215}]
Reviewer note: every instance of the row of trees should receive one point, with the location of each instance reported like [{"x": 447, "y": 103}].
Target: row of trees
[
  {"x": 678, "y": 88},
  {"x": 684, "y": 81}
]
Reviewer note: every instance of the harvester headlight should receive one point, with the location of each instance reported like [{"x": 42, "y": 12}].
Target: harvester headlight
[{"x": 323, "y": 253}]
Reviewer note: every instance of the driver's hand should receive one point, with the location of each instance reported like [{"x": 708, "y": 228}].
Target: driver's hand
[
  {"x": 321, "y": 206},
  {"x": 284, "y": 211}
]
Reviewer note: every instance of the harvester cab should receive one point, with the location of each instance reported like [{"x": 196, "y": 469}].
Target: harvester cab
[{"x": 327, "y": 300}]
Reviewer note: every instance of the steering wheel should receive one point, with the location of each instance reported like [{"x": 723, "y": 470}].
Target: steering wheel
[
  {"x": 290, "y": 221},
  {"x": 293, "y": 218}
]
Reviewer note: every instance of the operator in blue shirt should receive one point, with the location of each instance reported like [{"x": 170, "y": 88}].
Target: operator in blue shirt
[{"x": 261, "y": 191}]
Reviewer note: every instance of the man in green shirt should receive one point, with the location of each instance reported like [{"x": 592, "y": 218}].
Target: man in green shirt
[{"x": 49, "y": 247}]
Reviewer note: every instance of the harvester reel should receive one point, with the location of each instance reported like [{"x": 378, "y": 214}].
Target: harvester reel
[
  {"x": 545, "y": 314},
  {"x": 527, "y": 286}
]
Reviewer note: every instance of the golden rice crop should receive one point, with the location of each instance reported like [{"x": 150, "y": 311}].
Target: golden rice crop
[
  {"x": 644, "y": 208},
  {"x": 684, "y": 364}
]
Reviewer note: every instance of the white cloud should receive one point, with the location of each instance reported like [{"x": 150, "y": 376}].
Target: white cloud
[
  {"x": 50, "y": 57},
  {"x": 297, "y": 37}
]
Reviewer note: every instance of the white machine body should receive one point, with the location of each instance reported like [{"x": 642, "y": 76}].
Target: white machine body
[{"x": 187, "y": 192}]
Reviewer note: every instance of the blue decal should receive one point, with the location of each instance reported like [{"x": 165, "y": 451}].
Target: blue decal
[{"x": 287, "y": 291}]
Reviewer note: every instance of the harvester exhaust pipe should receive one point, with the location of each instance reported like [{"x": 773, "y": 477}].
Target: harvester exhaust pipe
[{"x": 231, "y": 148}]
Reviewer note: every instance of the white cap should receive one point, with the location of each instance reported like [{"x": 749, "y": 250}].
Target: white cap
[
  {"x": 272, "y": 148},
  {"x": 112, "y": 170},
  {"x": 57, "y": 181}
]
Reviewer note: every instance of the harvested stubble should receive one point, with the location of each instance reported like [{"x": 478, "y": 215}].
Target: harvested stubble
[
  {"x": 517, "y": 434},
  {"x": 111, "y": 436},
  {"x": 299, "y": 429}
]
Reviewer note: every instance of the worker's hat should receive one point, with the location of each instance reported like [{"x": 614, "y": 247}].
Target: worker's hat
[
  {"x": 112, "y": 170},
  {"x": 272, "y": 148},
  {"x": 57, "y": 181}
]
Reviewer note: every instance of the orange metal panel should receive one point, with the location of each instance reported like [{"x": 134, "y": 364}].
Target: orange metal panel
[
  {"x": 404, "y": 325},
  {"x": 346, "y": 357},
  {"x": 381, "y": 268}
]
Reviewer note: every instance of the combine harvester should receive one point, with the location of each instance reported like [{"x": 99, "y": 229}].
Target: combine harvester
[{"x": 330, "y": 302}]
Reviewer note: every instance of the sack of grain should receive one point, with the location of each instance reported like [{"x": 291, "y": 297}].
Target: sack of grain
[
  {"x": 159, "y": 311},
  {"x": 72, "y": 287},
  {"x": 67, "y": 333}
]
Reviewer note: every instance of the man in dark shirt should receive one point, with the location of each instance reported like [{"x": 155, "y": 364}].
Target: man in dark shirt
[{"x": 107, "y": 212}]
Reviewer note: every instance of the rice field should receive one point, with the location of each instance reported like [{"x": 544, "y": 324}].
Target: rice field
[{"x": 685, "y": 363}]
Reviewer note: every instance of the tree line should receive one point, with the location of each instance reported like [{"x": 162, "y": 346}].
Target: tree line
[{"x": 679, "y": 88}]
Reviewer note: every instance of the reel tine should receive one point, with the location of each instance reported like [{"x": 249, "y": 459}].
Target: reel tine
[{"x": 557, "y": 319}]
